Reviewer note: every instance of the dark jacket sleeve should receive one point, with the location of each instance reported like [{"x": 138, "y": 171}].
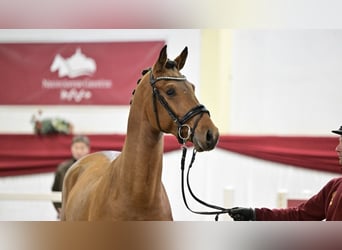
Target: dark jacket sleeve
[
  {"x": 314, "y": 209},
  {"x": 58, "y": 180}
]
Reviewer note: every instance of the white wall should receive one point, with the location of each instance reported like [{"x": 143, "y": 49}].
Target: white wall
[
  {"x": 283, "y": 82},
  {"x": 286, "y": 81}
]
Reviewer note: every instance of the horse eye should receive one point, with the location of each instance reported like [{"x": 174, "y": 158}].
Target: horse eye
[{"x": 170, "y": 92}]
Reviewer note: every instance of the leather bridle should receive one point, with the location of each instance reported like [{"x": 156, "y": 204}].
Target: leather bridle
[{"x": 181, "y": 123}]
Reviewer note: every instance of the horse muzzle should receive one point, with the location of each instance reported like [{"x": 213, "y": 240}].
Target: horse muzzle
[{"x": 205, "y": 139}]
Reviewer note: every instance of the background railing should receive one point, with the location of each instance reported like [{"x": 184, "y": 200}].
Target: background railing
[{"x": 52, "y": 196}]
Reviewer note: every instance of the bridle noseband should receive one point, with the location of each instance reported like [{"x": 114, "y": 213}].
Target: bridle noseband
[{"x": 181, "y": 122}]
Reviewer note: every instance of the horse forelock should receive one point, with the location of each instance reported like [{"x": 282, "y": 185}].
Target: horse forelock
[{"x": 170, "y": 64}]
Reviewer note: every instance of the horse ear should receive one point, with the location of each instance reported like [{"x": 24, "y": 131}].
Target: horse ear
[
  {"x": 180, "y": 60},
  {"x": 159, "y": 65}
]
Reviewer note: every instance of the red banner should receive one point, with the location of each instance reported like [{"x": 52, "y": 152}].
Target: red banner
[{"x": 73, "y": 73}]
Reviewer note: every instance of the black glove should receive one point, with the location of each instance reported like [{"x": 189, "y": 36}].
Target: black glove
[{"x": 242, "y": 214}]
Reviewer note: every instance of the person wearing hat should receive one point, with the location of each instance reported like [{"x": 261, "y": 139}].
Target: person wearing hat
[
  {"x": 80, "y": 146},
  {"x": 325, "y": 205}
]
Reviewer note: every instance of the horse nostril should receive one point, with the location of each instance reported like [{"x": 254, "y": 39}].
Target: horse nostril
[{"x": 209, "y": 138}]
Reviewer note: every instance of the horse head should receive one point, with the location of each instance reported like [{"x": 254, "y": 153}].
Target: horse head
[{"x": 174, "y": 107}]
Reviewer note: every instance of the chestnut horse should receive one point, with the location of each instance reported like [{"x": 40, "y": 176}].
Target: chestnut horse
[{"x": 127, "y": 186}]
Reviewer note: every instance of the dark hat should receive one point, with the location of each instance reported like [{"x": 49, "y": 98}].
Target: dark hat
[
  {"x": 81, "y": 138},
  {"x": 338, "y": 131}
]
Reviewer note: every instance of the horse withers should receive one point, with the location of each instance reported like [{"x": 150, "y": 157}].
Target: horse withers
[{"x": 127, "y": 185}]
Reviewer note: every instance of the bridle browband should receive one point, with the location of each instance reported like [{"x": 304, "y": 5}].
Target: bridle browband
[{"x": 181, "y": 123}]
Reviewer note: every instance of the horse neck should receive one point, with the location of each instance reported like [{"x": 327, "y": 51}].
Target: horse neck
[{"x": 140, "y": 164}]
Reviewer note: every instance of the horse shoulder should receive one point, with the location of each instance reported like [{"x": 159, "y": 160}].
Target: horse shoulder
[{"x": 84, "y": 175}]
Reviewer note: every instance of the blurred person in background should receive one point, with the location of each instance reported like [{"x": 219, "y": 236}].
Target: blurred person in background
[
  {"x": 325, "y": 205},
  {"x": 80, "y": 146}
]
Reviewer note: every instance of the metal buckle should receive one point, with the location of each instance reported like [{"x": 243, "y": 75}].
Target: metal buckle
[{"x": 188, "y": 135}]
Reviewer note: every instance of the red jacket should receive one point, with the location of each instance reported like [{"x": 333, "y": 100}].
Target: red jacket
[{"x": 326, "y": 204}]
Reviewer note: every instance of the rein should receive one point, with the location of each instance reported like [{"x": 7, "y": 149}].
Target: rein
[
  {"x": 221, "y": 210},
  {"x": 181, "y": 123}
]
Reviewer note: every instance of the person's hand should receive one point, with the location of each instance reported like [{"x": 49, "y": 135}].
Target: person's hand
[{"x": 242, "y": 214}]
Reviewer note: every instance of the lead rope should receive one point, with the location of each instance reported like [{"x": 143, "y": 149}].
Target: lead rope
[{"x": 216, "y": 213}]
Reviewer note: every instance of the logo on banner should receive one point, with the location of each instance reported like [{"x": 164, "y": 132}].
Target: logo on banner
[
  {"x": 76, "y": 65},
  {"x": 74, "y": 88}
]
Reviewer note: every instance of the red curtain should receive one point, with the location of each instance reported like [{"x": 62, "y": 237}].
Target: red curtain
[{"x": 29, "y": 154}]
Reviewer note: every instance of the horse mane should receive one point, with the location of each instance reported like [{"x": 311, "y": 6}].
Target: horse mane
[{"x": 142, "y": 73}]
